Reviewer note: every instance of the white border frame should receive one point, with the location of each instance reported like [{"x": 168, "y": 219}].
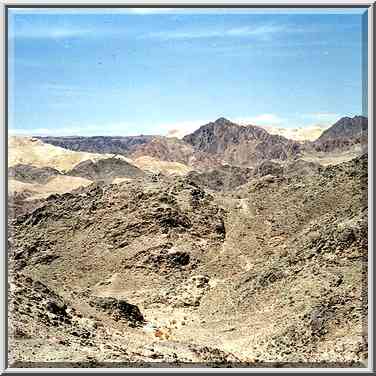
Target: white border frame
[{"x": 266, "y": 3}]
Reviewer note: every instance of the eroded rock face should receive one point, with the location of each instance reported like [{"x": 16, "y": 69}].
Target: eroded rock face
[
  {"x": 120, "y": 309},
  {"x": 32, "y": 302}
]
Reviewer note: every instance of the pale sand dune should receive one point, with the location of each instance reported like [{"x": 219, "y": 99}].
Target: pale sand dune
[
  {"x": 121, "y": 180},
  {"x": 57, "y": 184},
  {"x": 18, "y": 186},
  {"x": 32, "y": 151},
  {"x": 154, "y": 165},
  {"x": 298, "y": 134}
]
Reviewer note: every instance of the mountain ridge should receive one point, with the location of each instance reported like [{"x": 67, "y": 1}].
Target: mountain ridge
[{"x": 219, "y": 142}]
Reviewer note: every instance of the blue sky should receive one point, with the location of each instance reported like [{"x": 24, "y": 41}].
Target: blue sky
[{"x": 145, "y": 71}]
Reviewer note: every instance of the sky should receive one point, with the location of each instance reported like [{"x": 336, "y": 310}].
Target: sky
[{"x": 147, "y": 71}]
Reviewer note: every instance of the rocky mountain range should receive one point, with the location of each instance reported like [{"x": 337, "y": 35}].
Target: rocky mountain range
[
  {"x": 231, "y": 247},
  {"x": 222, "y": 141}
]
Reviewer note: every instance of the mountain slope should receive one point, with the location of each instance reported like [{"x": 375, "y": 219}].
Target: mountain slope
[
  {"x": 26, "y": 173},
  {"x": 241, "y": 145},
  {"x": 105, "y": 169},
  {"x": 345, "y": 133},
  {"x": 99, "y": 144},
  {"x": 204, "y": 268}
]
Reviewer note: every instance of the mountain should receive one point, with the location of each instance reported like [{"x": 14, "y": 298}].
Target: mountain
[
  {"x": 105, "y": 169},
  {"x": 99, "y": 144},
  {"x": 345, "y": 133},
  {"x": 222, "y": 141},
  {"x": 241, "y": 145},
  {"x": 210, "y": 146},
  {"x": 230, "y": 248},
  {"x": 177, "y": 271}
]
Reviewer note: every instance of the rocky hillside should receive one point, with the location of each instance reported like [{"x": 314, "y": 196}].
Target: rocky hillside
[
  {"x": 241, "y": 145},
  {"x": 345, "y": 133},
  {"x": 224, "y": 178},
  {"x": 105, "y": 169},
  {"x": 160, "y": 270},
  {"x": 26, "y": 173},
  {"x": 37, "y": 170},
  {"x": 99, "y": 144}
]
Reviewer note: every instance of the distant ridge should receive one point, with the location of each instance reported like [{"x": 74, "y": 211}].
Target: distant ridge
[{"x": 344, "y": 133}]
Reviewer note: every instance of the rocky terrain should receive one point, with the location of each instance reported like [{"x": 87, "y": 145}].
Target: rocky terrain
[
  {"x": 344, "y": 134},
  {"x": 241, "y": 145},
  {"x": 258, "y": 261}
]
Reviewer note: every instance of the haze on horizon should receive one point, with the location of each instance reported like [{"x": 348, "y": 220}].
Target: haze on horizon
[{"x": 148, "y": 71}]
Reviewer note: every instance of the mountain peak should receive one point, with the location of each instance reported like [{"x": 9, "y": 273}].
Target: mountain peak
[
  {"x": 344, "y": 133},
  {"x": 223, "y": 121}
]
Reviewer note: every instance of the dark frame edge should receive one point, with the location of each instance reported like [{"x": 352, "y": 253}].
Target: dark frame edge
[
  {"x": 190, "y": 5},
  {"x": 5, "y": 187}
]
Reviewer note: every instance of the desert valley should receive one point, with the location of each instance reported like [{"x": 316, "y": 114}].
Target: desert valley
[{"x": 229, "y": 247}]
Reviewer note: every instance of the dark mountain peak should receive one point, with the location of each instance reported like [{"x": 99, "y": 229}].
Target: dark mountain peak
[
  {"x": 240, "y": 145},
  {"x": 223, "y": 121},
  {"x": 345, "y": 128},
  {"x": 343, "y": 134},
  {"x": 351, "y": 121}
]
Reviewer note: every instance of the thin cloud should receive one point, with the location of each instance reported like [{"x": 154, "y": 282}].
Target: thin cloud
[
  {"x": 61, "y": 32},
  {"x": 322, "y": 116},
  {"x": 246, "y": 31},
  {"x": 180, "y": 129},
  {"x": 262, "y": 119},
  {"x": 66, "y": 90},
  {"x": 114, "y": 129}
]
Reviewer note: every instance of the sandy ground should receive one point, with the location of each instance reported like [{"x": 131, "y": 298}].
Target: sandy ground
[
  {"x": 57, "y": 184},
  {"x": 147, "y": 163},
  {"x": 31, "y": 151}
]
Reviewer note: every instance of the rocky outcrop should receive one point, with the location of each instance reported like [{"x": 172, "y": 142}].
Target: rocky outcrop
[
  {"x": 345, "y": 133},
  {"x": 31, "y": 174},
  {"x": 120, "y": 309},
  {"x": 224, "y": 178},
  {"x": 105, "y": 169}
]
